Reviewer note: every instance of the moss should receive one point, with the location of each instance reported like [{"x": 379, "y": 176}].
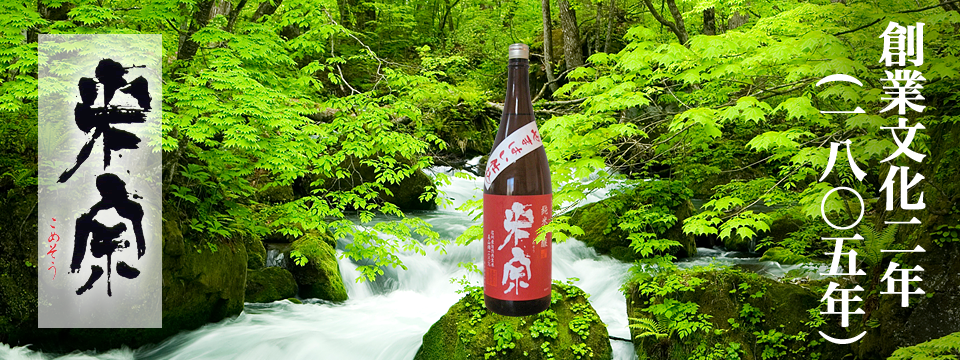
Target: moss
[
  {"x": 198, "y": 288},
  {"x": 936, "y": 314},
  {"x": 256, "y": 253},
  {"x": 277, "y": 194},
  {"x": 269, "y": 285},
  {"x": 783, "y": 256},
  {"x": 569, "y": 329},
  {"x": 737, "y": 243},
  {"x": 759, "y": 314},
  {"x": 295, "y": 300},
  {"x": 600, "y": 221},
  {"x": 320, "y": 276}
]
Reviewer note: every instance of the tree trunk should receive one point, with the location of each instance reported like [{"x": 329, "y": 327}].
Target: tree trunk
[
  {"x": 265, "y": 8},
  {"x": 737, "y": 20},
  {"x": 188, "y": 47},
  {"x": 48, "y": 13},
  {"x": 710, "y": 21},
  {"x": 344, "y": 7},
  {"x": 220, "y": 7},
  {"x": 548, "y": 46},
  {"x": 611, "y": 17},
  {"x": 672, "y": 5},
  {"x": 234, "y": 14},
  {"x": 446, "y": 15},
  {"x": 571, "y": 35},
  {"x": 367, "y": 14},
  {"x": 948, "y": 6}
]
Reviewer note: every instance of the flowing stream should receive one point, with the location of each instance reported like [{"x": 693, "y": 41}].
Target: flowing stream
[{"x": 387, "y": 319}]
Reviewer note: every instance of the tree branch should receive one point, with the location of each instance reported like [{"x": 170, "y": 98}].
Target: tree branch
[
  {"x": 899, "y": 12},
  {"x": 544, "y": 88},
  {"x": 678, "y": 18},
  {"x": 665, "y": 22},
  {"x": 265, "y": 8},
  {"x": 860, "y": 28},
  {"x": 929, "y": 7}
]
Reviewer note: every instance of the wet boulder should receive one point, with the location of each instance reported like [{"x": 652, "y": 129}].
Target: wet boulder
[
  {"x": 319, "y": 277},
  {"x": 256, "y": 254},
  {"x": 569, "y": 329},
  {"x": 269, "y": 284},
  {"x": 600, "y": 221},
  {"x": 727, "y": 313},
  {"x": 200, "y": 285}
]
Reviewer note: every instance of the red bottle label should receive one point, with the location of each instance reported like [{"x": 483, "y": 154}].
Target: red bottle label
[{"x": 515, "y": 267}]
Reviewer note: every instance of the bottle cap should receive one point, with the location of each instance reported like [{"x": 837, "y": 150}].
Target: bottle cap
[{"x": 519, "y": 51}]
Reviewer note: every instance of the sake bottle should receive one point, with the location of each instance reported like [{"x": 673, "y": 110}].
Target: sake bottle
[{"x": 517, "y": 202}]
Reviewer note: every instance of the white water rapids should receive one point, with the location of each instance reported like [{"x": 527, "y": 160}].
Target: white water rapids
[{"x": 388, "y": 318}]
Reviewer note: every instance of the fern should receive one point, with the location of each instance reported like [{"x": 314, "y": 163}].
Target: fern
[
  {"x": 945, "y": 348},
  {"x": 874, "y": 241}
]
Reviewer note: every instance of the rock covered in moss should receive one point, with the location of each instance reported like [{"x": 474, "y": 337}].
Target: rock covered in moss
[
  {"x": 569, "y": 329},
  {"x": 935, "y": 314},
  {"x": 256, "y": 254},
  {"x": 600, "y": 220},
  {"x": 199, "y": 287},
  {"x": 269, "y": 285},
  {"x": 276, "y": 194},
  {"x": 320, "y": 276},
  {"x": 735, "y": 242},
  {"x": 202, "y": 286},
  {"x": 726, "y": 313}
]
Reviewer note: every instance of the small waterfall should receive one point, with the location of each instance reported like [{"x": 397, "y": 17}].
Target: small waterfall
[
  {"x": 277, "y": 255},
  {"x": 384, "y": 319}
]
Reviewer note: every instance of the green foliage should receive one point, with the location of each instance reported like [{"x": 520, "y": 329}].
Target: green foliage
[
  {"x": 945, "y": 234},
  {"x": 505, "y": 337},
  {"x": 742, "y": 104},
  {"x": 751, "y": 314},
  {"x": 874, "y": 241},
  {"x": 732, "y": 351},
  {"x": 545, "y": 325},
  {"x": 672, "y": 318},
  {"x": 945, "y": 348}
]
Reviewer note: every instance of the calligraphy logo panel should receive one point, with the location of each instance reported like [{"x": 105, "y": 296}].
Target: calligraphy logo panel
[{"x": 99, "y": 181}]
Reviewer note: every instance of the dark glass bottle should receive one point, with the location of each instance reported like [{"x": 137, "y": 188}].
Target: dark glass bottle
[{"x": 517, "y": 202}]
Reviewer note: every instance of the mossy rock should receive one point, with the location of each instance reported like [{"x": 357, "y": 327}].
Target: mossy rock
[
  {"x": 276, "y": 194},
  {"x": 320, "y": 276},
  {"x": 600, "y": 220},
  {"x": 295, "y": 300},
  {"x": 749, "y": 315},
  {"x": 256, "y": 254},
  {"x": 736, "y": 242},
  {"x": 937, "y": 313},
  {"x": 269, "y": 285},
  {"x": 783, "y": 256},
  {"x": 569, "y": 329},
  {"x": 784, "y": 224},
  {"x": 198, "y": 287}
]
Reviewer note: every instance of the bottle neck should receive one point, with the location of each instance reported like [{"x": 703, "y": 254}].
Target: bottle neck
[{"x": 518, "y": 88}]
